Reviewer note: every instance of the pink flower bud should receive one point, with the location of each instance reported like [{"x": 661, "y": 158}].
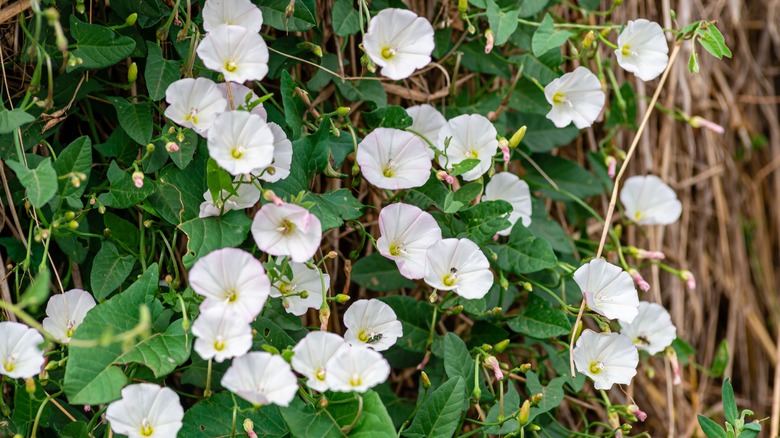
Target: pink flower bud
[
  {"x": 634, "y": 410},
  {"x": 490, "y": 41},
  {"x": 87, "y": 408},
  {"x": 650, "y": 255},
  {"x": 672, "y": 356},
  {"x": 699, "y": 122},
  {"x": 269, "y": 195},
  {"x": 138, "y": 179},
  {"x": 689, "y": 279},
  {"x": 640, "y": 282},
  {"x": 492, "y": 362},
  {"x": 611, "y": 166},
  {"x": 171, "y": 147},
  {"x": 503, "y": 144},
  {"x": 444, "y": 176}
]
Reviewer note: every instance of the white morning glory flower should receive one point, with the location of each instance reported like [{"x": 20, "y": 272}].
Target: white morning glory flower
[
  {"x": 356, "y": 368},
  {"x": 406, "y": 233},
  {"x": 301, "y": 292},
  {"x": 608, "y": 290},
  {"x": 642, "y": 49},
  {"x": 239, "y": 54},
  {"x": 221, "y": 334},
  {"x": 509, "y": 187},
  {"x": 146, "y": 410},
  {"x": 231, "y": 278},
  {"x": 458, "y": 265},
  {"x": 652, "y": 329},
  {"x": 20, "y": 350},
  {"x": 243, "y": 95},
  {"x": 287, "y": 230},
  {"x": 399, "y": 41},
  {"x": 607, "y": 358},
  {"x": 472, "y": 136},
  {"x": 427, "y": 121},
  {"x": 236, "y": 12},
  {"x": 248, "y": 196},
  {"x": 575, "y": 97},
  {"x": 240, "y": 142},
  {"x": 261, "y": 378},
  {"x": 312, "y": 354},
  {"x": 394, "y": 159},
  {"x": 65, "y": 312},
  {"x": 194, "y": 103},
  {"x": 649, "y": 201},
  {"x": 279, "y": 168},
  {"x": 373, "y": 324}
]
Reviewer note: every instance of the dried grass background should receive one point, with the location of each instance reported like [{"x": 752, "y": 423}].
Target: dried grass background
[{"x": 729, "y": 233}]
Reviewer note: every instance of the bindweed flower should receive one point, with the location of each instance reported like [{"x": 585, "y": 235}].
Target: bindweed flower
[
  {"x": 607, "y": 358},
  {"x": 399, "y": 41},
  {"x": 248, "y": 196},
  {"x": 373, "y": 324},
  {"x": 261, "y": 378},
  {"x": 689, "y": 279},
  {"x": 649, "y": 201},
  {"x": 231, "y": 278},
  {"x": 287, "y": 230},
  {"x": 279, "y": 168},
  {"x": 356, "y": 369},
  {"x": 221, "y": 334},
  {"x": 652, "y": 329},
  {"x": 492, "y": 362},
  {"x": 642, "y": 49},
  {"x": 406, "y": 234},
  {"x": 301, "y": 292},
  {"x": 635, "y": 411},
  {"x": 235, "y": 12},
  {"x": 312, "y": 354},
  {"x": 575, "y": 97},
  {"x": 608, "y": 290},
  {"x": 242, "y": 95},
  {"x": 427, "y": 121},
  {"x": 239, "y": 54},
  {"x": 65, "y": 312},
  {"x": 138, "y": 179},
  {"x": 509, "y": 187},
  {"x": 393, "y": 159},
  {"x": 20, "y": 350},
  {"x": 643, "y": 285},
  {"x": 458, "y": 265},
  {"x": 240, "y": 142},
  {"x": 472, "y": 136},
  {"x": 146, "y": 410},
  {"x": 194, "y": 103},
  {"x": 671, "y": 355}
]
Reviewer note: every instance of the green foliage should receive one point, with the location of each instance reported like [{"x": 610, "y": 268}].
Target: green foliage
[
  {"x": 10, "y": 120},
  {"x": 97, "y": 46},
  {"x": 438, "y": 414},
  {"x": 40, "y": 183},
  {"x": 736, "y": 425}
]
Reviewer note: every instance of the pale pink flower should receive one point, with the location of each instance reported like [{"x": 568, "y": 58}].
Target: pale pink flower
[
  {"x": 373, "y": 324},
  {"x": 240, "y": 142},
  {"x": 506, "y": 186},
  {"x": 194, "y": 103},
  {"x": 575, "y": 97},
  {"x": 235, "y": 12},
  {"x": 458, "y": 265},
  {"x": 356, "y": 368},
  {"x": 399, "y": 41},
  {"x": 642, "y": 49},
  {"x": 650, "y": 201},
  {"x": 471, "y": 136},
  {"x": 303, "y": 291},
  {"x": 65, "y": 312},
  {"x": 608, "y": 290},
  {"x": 146, "y": 410},
  {"x": 607, "y": 358},
  {"x": 239, "y": 54},
  {"x": 261, "y": 378},
  {"x": 221, "y": 334},
  {"x": 393, "y": 159},
  {"x": 652, "y": 329},
  {"x": 20, "y": 350},
  {"x": 406, "y": 233},
  {"x": 287, "y": 230},
  {"x": 312, "y": 354}
]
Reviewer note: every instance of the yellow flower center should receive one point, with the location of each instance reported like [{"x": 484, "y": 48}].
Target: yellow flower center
[
  {"x": 286, "y": 288},
  {"x": 355, "y": 380},
  {"x": 219, "y": 343},
  {"x": 9, "y": 365},
  {"x": 192, "y": 116},
  {"x": 559, "y": 98},
  {"x": 146, "y": 428},
  {"x": 626, "y": 50},
  {"x": 237, "y": 152},
  {"x": 231, "y": 295},
  {"x": 596, "y": 367},
  {"x": 320, "y": 375},
  {"x": 388, "y": 172},
  {"x": 638, "y": 215},
  {"x": 363, "y": 336},
  {"x": 231, "y": 66},
  {"x": 450, "y": 279},
  {"x": 69, "y": 332},
  {"x": 388, "y": 53},
  {"x": 472, "y": 154},
  {"x": 286, "y": 227},
  {"x": 396, "y": 249}
]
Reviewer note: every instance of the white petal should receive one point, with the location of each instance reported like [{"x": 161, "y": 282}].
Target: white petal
[
  {"x": 240, "y": 55},
  {"x": 240, "y": 142},
  {"x": 236, "y": 12},
  {"x": 399, "y": 41}
]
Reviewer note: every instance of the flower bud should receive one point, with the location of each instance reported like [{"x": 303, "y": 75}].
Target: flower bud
[
  {"x": 524, "y": 414},
  {"x": 150, "y": 147},
  {"x": 517, "y": 137},
  {"x": 131, "y": 19},
  {"x": 132, "y": 73},
  {"x": 342, "y": 110},
  {"x": 249, "y": 427},
  {"x": 611, "y": 163},
  {"x": 73, "y": 225},
  {"x": 75, "y": 182},
  {"x": 29, "y": 386},
  {"x": 171, "y": 147},
  {"x": 490, "y": 40},
  {"x": 672, "y": 356},
  {"x": 69, "y": 215},
  {"x": 138, "y": 179},
  {"x": 323, "y": 402},
  {"x": 444, "y": 176},
  {"x": 324, "y": 317},
  {"x": 528, "y": 286},
  {"x": 655, "y": 256},
  {"x": 503, "y": 144},
  {"x": 426, "y": 381},
  {"x": 588, "y": 40},
  {"x": 536, "y": 399},
  {"x": 463, "y": 6},
  {"x": 45, "y": 234},
  {"x": 289, "y": 10},
  {"x": 689, "y": 279},
  {"x": 699, "y": 122},
  {"x": 640, "y": 282},
  {"x": 148, "y": 223},
  {"x": 102, "y": 209},
  {"x": 492, "y": 362},
  {"x": 287, "y": 355},
  {"x": 342, "y": 298},
  {"x": 52, "y": 15},
  {"x": 52, "y": 366},
  {"x": 87, "y": 408},
  {"x": 456, "y": 310},
  {"x": 634, "y": 410},
  {"x": 180, "y": 137},
  {"x": 524, "y": 368},
  {"x": 477, "y": 394},
  {"x": 269, "y": 195},
  {"x": 501, "y": 346}
]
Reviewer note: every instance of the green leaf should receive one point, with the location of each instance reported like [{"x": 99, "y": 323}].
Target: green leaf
[
  {"x": 391, "y": 116},
  {"x": 212, "y": 233},
  {"x": 450, "y": 204},
  {"x": 539, "y": 320},
  {"x": 38, "y": 291},
  {"x": 485, "y": 219},
  {"x": 503, "y": 24},
  {"x": 214, "y": 417},
  {"x": 367, "y": 90},
  {"x": 135, "y": 119},
  {"x": 464, "y": 166},
  {"x": 378, "y": 273},
  {"x": 122, "y": 191},
  {"x": 475, "y": 60},
  {"x": 294, "y": 107},
  {"x": 511, "y": 405},
  {"x": 721, "y": 360},
  {"x": 439, "y": 414},
  {"x": 306, "y": 421},
  {"x": 97, "y": 46},
  {"x": 552, "y": 394},
  {"x": 178, "y": 194},
  {"x": 10, "y": 120},
  {"x": 109, "y": 270},
  {"x": 346, "y": 19},
  {"x": 415, "y": 317},
  {"x": 26, "y": 408},
  {"x": 468, "y": 193},
  {"x": 433, "y": 192},
  {"x": 76, "y": 158},
  {"x": 711, "y": 428},
  {"x": 712, "y": 40},
  {"x": 729, "y": 405},
  {"x": 274, "y": 15},
  {"x": 458, "y": 362},
  {"x": 693, "y": 62},
  {"x": 524, "y": 253},
  {"x": 40, "y": 183},
  {"x": 187, "y": 148},
  {"x": 159, "y": 72},
  {"x": 334, "y": 207},
  {"x": 543, "y": 136},
  {"x": 566, "y": 174},
  {"x": 547, "y": 38},
  {"x": 161, "y": 352}
]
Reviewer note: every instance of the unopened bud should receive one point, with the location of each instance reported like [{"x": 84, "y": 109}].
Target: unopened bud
[
  {"x": 342, "y": 110},
  {"x": 456, "y": 310},
  {"x": 324, "y": 317},
  {"x": 477, "y": 393},
  {"x": 132, "y": 73},
  {"x": 75, "y": 182},
  {"x": 29, "y": 386},
  {"x": 444, "y": 176},
  {"x": 180, "y": 137},
  {"x": 332, "y": 255},
  {"x": 249, "y": 428},
  {"x": 492, "y": 362},
  {"x": 269, "y": 195},
  {"x": 138, "y": 179},
  {"x": 640, "y": 282},
  {"x": 463, "y": 6},
  {"x": 689, "y": 279},
  {"x": 634, "y": 410},
  {"x": 426, "y": 381},
  {"x": 671, "y": 355},
  {"x": 524, "y": 368},
  {"x": 45, "y": 234},
  {"x": 53, "y": 365},
  {"x": 611, "y": 163},
  {"x": 148, "y": 223},
  {"x": 517, "y": 137},
  {"x": 102, "y": 209},
  {"x": 497, "y": 311},
  {"x": 131, "y": 19},
  {"x": 287, "y": 355},
  {"x": 501, "y": 346},
  {"x": 69, "y": 215},
  {"x": 323, "y": 403},
  {"x": 73, "y": 225},
  {"x": 150, "y": 147},
  {"x": 588, "y": 40},
  {"x": 524, "y": 414},
  {"x": 171, "y": 147},
  {"x": 471, "y": 29},
  {"x": 699, "y": 122},
  {"x": 536, "y": 399},
  {"x": 87, "y": 408},
  {"x": 304, "y": 294},
  {"x": 503, "y": 144},
  {"x": 289, "y": 11},
  {"x": 655, "y": 256},
  {"x": 342, "y": 298},
  {"x": 528, "y": 286},
  {"x": 490, "y": 39}
]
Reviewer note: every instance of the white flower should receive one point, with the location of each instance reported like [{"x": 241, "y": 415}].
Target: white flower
[
  {"x": 221, "y": 334},
  {"x": 243, "y": 96},
  {"x": 356, "y": 368},
  {"x": 20, "y": 350},
  {"x": 146, "y": 410},
  {"x": 237, "y": 12},
  {"x": 239, "y": 54},
  {"x": 394, "y": 159},
  {"x": 406, "y": 234},
  {"x": 575, "y": 97},
  {"x": 458, "y": 265},
  {"x": 287, "y": 230},
  {"x": 372, "y": 323},
  {"x": 642, "y": 49},
  {"x": 279, "y": 168},
  {"x": 230, "y": 278},
  {"x": 652, "y": 329},
  {"x": 248, "y": 196},
  {"x": 65, "y": 312},
  {"x": 509, "y": 187},
  {"x": 427, "y": 121},
  {"x": 607, "y": 358},
  {"x": 240, "y": 142},
  {"x": 302, "y": 292},
  {"x": 312, "y": 354},
  {"x": 399, "y": 41},
  {"x": 472, "y": 136},
  {"x": 194, "y": 103},
  {"x": 608, "y": 289},
  {"x": 261, "y": 378},
  {"x": 649, "y": 201}
]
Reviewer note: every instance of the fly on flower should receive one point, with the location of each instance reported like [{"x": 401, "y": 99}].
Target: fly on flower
[
  {"x": 458, "y": 265},
  {"x": 652, "y": 329},
  {"x": 608, "y": 290},
  {"x": 607, "y": 358},
  {"x": 239, "y": 54},
  {"x": 575, "y": 97},
  {"x": 406, "y": 234},
  {"x": 261, "y": 378},
  {"x": 65, "y": 312},
  {"x": 373, "y": 324},
  {"x": 470, "y": 136},
  {"x": 649, "y": 201},
  {"x": 399, "y": 41},
  {"x": 303, "y": 291},
  {"x": 509, "y": 187},
  {"x": 146, "y": 410},
  {"x": 642, "y": 49},
  {"x": 312, "y": 354},
  {"x": 394, "y": 159},
  {"x": 194, "y": 103}
]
